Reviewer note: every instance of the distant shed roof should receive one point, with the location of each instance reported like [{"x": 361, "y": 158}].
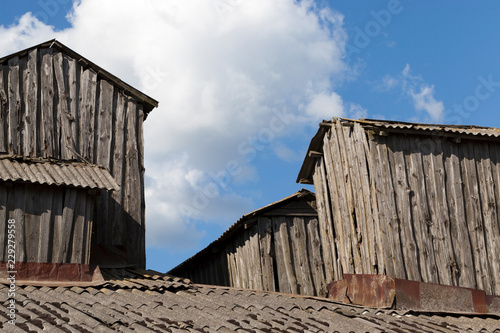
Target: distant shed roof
[
  {"x": 387, "y": 126},
  {"x": 242, "y": 222},
  {"x": 148, "y": 102},
  {"x": 55, "y": 172}
]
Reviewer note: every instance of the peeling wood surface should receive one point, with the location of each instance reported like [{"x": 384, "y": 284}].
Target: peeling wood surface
[{"x": 53, "y": 106}]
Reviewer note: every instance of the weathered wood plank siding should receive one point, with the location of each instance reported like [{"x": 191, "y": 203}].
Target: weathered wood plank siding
[
  {"x": 55, "y": 106},
  {"x": 280, "y": 250},
  {"x": 422, "y": 207},
  {"x": 51, "y": 223}
]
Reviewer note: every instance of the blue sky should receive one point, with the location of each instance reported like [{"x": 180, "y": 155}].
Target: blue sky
[{"x": 243, "y": 84}]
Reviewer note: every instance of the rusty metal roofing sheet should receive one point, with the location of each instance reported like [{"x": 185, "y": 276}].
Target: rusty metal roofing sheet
[
  {"x": 117, "y": 306},
  {"x": 54, "y": 172}
]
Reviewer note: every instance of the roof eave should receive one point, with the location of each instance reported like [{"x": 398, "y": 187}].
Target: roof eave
[{"x": 148, "y": 102}]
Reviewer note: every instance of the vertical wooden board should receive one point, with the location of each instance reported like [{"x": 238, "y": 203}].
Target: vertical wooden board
[
  {"x": 474, "y": 216},
  {"x": 140, "y": 148},
  {"x": 14, "y": 113},
  {"x": 4, "y": 108},
  {"x": 371, "y": 210},
  {"x": 48, "y": 130},
  {"x": 79, "y": 229},
  {"x": 342, "y": 223},
  {"x": 286, "y": 276},
  {"x": 15, "y": 204},
  {"x": 389, "y": 215},
  {"x": 102, "y": 146},
  {"x": 350, "y": 222},
  {"x": 65, "y": 139},
  {"x": 30, "y": 100},
  {"x": 323, "y": 207},
  {"x": 436, "y": 198},
  {"x": 490, "y": 219},
  {"x": 227, "y": 253},
  {"x": 225, "y": 268},
  {"x": 383, "y": 230},
  {"x": 231, "y": 264},
  {"x": 32, "y": 206},
  {"x": 362, "y": 213},
  {"x": 402, "y": 194},
  {"x": 494, "y": 154},
  {"x": 43, "y": 223},
  {"x": 72, "y": 71},
  {"x": 4, "y": 215},
  {"x": 266, "y": 253},
  {"x": 298, "y": 242},
  {"x": 68, "y": 222},
  {"x": 464, "y": 270},
  {"x": 314, "y": 251},
  {"x": 241, "y": 257},
  {"x": 105, "y": 118},
  {"x": 115, "y": 225},
  {"x": 420, "y": 210},
  {"x": 356, "y": 222},
  {"x": 136, "y": 231},
  {"x": 336, "y": 245},
  {"x": 57, "y": 223},
  {"x": 253, "y": 258},
  {"x": 87, "y": 101},
  {"x": 89, "y": 221}
]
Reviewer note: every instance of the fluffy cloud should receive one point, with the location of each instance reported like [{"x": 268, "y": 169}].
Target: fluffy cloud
[
  {"x": 420, "y": 93},
  {"x": 232, "y": 78}
]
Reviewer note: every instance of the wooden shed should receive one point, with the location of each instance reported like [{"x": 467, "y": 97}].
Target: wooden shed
[
  {"x": 71, "y": 159},
  {"x": 411, "y": 201},
  {"x": 275, "y": 248}
]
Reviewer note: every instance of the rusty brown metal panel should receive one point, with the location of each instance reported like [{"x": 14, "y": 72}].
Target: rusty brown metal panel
[
  {"x": 53, "y": 274},
  {"x": 384, "y": 292}
]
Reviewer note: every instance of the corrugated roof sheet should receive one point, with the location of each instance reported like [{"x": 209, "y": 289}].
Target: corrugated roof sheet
[
  {"x": 453, "y": 129},
  {"x": 467, "y": 131},
  {"x": 148, "y": 301},
  {"x": 54, "y": 172}
]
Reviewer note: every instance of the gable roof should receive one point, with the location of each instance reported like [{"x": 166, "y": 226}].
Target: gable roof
[
  {"x": 148, "y": 102},
  {"x": 383, "y": 127},
  {"x": 242, "y": 223},
  {"x": 55, "y": 172},
  {"x": 136, "y": 300}
]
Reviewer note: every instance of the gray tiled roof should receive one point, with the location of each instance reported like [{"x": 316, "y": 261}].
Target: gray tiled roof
[{"x": 143, "y": 301}]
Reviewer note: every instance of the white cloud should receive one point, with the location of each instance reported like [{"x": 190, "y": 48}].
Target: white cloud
[
  {"x": 420, "y": 93},
  {"x": 325, "y": 106},
  {"x": 232, "y": 77}
]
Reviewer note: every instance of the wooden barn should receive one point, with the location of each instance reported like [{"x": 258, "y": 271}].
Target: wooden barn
[
  {"x": 411, "y": 201},
  {"x": 275, "y": 248},
  {"x": 71, "y": 160}
]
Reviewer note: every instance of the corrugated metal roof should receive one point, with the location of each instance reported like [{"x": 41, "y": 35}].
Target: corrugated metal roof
[
  {"x": 452, "y": 129},
  {"x": 148, "y": 301},
  {"x": 461, "y": 131},
  {"x": 54, "y": 172}
]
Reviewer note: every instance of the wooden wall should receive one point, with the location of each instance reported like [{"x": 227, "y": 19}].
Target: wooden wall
[
  {"x": 52, "y": 105},
  {"x": 271, "y": 252},
  {"x": 52, "y": 224},
  {"x": 417, "y": 207}
]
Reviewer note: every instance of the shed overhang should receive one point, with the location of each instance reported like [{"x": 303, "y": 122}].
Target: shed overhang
[{"x": 56, "y": 172}]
